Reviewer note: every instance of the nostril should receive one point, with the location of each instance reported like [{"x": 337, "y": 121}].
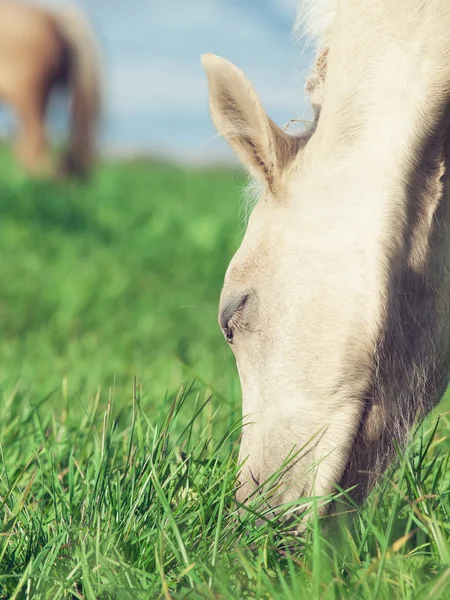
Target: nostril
[
  {"x": 248, "y": 484},
  {"x": 254, "y": 479},
  {"x": 245, "y": 492}
]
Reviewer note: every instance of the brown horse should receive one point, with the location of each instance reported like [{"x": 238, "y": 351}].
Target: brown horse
[{"x": 41, "y": 48}]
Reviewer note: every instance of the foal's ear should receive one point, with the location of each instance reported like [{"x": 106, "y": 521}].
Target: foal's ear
[{"x": 239, "y": 116}]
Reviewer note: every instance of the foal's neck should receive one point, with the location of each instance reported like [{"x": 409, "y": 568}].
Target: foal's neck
[{"x": 388, "y": 80}]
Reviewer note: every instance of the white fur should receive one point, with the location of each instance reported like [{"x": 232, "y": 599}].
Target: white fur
[
  {"x": 342, "y": 337},
  {"x": 314, "y": 20}
]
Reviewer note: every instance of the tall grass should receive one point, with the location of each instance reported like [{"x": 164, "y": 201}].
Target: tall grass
[{"x": 115, "y": 505}]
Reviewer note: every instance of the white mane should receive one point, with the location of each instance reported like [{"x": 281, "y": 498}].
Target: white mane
[{"x": 314, "y": 21}]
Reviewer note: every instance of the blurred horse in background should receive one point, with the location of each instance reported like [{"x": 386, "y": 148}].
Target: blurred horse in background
[{"x": 42, "y": 48}]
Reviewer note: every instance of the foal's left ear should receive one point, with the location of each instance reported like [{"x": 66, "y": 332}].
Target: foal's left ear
[{"x": 239, "y": 116}]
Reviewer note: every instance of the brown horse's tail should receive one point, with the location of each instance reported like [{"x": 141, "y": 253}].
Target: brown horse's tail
[{"x": 84, "y": 79}]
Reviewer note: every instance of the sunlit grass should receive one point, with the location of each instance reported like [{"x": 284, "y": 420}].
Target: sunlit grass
[{"x": 100, "y": 503}]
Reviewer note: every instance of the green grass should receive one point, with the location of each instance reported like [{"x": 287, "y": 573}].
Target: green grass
[
  {"x": 115, "y": 484},
  {"x": 116, "y": 279}
]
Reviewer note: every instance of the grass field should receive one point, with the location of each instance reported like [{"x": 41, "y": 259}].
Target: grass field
[{"x": 119, "y": 414}]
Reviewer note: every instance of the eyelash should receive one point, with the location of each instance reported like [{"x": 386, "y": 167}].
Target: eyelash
[{"x": 232, "y": 324}]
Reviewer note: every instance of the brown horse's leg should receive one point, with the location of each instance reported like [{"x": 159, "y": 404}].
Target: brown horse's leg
[{"x": 31, "y": 144}]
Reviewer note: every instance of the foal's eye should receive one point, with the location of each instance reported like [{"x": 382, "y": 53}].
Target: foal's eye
[
  {"x": 231, "y": 317},
  {"x": 228, "y": 332},
  {"x": 231, "y": 325}
]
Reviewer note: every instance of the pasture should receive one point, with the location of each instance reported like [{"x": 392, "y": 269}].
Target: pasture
[{"x": 120, "y": 413}]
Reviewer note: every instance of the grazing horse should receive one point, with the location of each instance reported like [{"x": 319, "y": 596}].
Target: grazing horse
[
  {"x": 336, "y": 305},
  {"x": 39, "y": 49}
]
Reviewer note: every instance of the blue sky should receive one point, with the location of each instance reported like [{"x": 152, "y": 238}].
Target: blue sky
[{"x": 156, "y": 93}]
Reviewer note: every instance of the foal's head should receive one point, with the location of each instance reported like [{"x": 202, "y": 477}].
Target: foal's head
[
  {"x": 329, "y": 305},
  {"x": 279, "y": 305}
]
